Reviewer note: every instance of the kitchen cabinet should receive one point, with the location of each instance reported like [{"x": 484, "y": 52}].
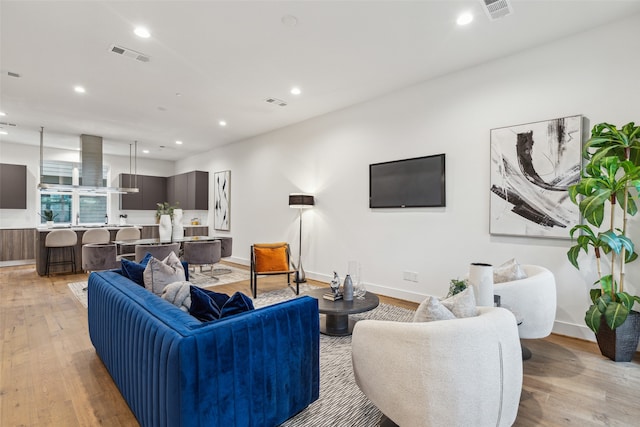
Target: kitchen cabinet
[
  {"x": 13, "y": 186},
  {"x": 153, "y": 190},
  {"x": 190, "y": 190}
]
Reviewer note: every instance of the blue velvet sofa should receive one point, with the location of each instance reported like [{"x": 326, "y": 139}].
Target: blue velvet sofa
[{"x": 257, "y": 368}]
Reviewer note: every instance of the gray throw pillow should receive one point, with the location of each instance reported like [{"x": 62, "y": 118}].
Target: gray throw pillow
[
  {"x": 462, "y": 304},
  {"x": 431, "y": 309},
  {"x": 508, "y": 272},
  {"x": 158, "y": 274}
]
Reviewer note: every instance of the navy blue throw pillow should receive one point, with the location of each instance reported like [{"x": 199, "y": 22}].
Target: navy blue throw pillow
[
  {"x": 134, "y": 271},
  {"x": 205, "y": 305},
  {"x": 208, "y": 305},
  {"x": 238, "y": 303}
]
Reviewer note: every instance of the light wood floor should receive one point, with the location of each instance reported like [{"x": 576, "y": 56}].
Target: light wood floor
[{"x": 50, "y": 374}]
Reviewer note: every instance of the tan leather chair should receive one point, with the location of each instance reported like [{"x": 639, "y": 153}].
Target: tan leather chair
[
  {"x": 202, "y": 253},
  {"x": 62, "y": 241},
  {"x": 270, "y": 259}
]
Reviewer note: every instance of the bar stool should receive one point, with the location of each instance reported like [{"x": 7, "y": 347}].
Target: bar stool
[
  {"x": 61, "y": 239},
  {"x": 127, "y": 233},
  {"x": 202, "y": 253},
  {"x": 225, "y": 252},
  {"x": 96, "y": 235}
]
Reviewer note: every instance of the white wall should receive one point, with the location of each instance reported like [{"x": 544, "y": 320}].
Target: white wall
[
  {"x": 29, "y": 155},
  {"x": 329, "y": 157}
]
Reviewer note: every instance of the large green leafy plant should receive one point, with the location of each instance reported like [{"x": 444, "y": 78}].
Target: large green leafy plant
[{"x": 610, "y": 178}]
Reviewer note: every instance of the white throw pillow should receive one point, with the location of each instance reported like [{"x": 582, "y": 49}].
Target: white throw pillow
[
  {"x": 462, "y": 304},
  {"x": 431, "y": 309},
  {"x": 159, "y": 274},
  {"x": 178, "y": 294},
  {"x": 508, "y": 272}
]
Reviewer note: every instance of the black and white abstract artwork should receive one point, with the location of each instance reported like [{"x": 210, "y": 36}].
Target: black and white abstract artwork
[
  {"x": 222, "y": 205},
  {"x": 532, "y": 167}
]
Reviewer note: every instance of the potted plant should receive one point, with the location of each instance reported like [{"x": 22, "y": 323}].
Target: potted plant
[
  {"x": 164, "y": 209},
  {"x": 48, "y": 216},
  {"x": 610, "y": 178}
]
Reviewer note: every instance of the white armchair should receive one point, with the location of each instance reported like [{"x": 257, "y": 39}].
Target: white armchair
[
  {"x": 460, "y": 372},
  {"x": 533, "y": 298}
]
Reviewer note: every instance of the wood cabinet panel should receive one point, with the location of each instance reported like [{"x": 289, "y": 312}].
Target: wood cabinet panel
[
  {"x": 17, "y": 244},
  {"x": 13, "y": 186},
  {"x": 131, "y": 201},
  {"x": 155, "y": 191},
  {"x": 196, "y": 231}
]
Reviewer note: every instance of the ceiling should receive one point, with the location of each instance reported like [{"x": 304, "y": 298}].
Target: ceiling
[{"x": 220, "y": 60}]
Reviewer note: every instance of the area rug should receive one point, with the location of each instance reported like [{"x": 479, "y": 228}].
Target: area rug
[{"x": 204, "y": 279}]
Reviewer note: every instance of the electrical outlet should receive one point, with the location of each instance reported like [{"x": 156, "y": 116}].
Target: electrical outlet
[{"x": 410, "y": 276}]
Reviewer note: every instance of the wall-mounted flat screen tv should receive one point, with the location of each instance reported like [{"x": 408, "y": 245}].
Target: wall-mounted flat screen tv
[{"x": 408, "y": 183}]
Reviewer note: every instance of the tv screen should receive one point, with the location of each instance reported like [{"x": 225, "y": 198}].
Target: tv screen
[{"x": 409, "y": 183}]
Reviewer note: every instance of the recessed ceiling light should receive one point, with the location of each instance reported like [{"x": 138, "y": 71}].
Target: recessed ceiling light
[
  {"x": 222, "y": 123},
  {"x": 79, "y": 89},
  {"x": 295, "y": 91},
  {"x": 142, "y": 32},
  {"x": 4, "y": 132},
  {"x": 179, "y": 142},
  {"x": 289, "y": 20},
  {"x": 2, "y": 113},
  {"x": 145, "y": 151},
  {"x": 464, "y": 18}
]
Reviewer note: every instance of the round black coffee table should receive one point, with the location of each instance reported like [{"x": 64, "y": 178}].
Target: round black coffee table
[{"x": 334, "y": 318}]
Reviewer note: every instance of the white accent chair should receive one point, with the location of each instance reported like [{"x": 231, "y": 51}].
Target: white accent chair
[
  {"x": 460, "y": 372},
  {"x": 533, "y": 299}
]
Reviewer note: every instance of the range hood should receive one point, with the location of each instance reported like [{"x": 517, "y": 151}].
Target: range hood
[{"x": 91, "y": 153}]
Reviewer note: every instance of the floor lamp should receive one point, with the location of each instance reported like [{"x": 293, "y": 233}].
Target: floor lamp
[{"x": 300, "y": 202}]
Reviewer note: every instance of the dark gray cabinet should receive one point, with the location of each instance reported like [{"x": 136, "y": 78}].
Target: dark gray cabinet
[
  {"x": 131, "y": 201},
  {"x": 153, "y": 189},
  {"x": 13, "y": 186},
  {"x": 188, "y": 190}
]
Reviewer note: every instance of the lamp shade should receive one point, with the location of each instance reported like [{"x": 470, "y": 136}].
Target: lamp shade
[{"x": 301, "y": 201}]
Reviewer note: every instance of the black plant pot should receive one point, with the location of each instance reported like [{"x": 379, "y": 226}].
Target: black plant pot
[{"x": 621, "y": 343}]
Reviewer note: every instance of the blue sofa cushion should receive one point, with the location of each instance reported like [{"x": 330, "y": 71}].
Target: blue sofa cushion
[
  {"x": 209, "y": 305},
  {"x": 133, "y": 270}
]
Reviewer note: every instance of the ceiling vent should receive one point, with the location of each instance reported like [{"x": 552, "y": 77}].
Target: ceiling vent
[
  {"x": 497, "y": 8},
  {"x": 129, "y": 53},
  {"x": 276, "y": 101}
]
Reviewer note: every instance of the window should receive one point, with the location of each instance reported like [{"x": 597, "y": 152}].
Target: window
[
  {"x": 92, "y": 208},
  {"x": 59, "y": 204},
  {"x": 78, "y": 206}
]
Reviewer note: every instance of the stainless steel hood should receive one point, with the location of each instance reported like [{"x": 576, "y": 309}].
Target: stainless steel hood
[{"x": 91, "y": 152}]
